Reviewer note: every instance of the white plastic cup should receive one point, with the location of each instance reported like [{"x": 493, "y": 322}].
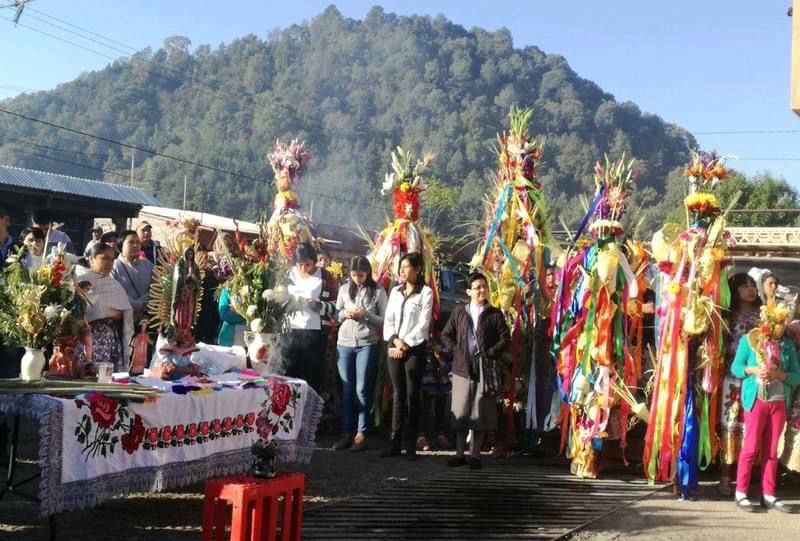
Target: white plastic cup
[{"x": 104, "y": 372}]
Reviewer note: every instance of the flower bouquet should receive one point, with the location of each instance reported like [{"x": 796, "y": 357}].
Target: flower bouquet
[
  {"x": 40, "y": 306},
  {"x": 266, "y": 308}
]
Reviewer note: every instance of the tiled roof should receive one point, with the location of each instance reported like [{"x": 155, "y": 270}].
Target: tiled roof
[{"x": 51, "y": 182}]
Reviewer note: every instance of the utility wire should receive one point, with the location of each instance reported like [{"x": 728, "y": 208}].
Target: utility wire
[
  {"x": 152, "y": 68},
  {"x": 744, "y": 132},
  {"x": 179, "y": 159}
]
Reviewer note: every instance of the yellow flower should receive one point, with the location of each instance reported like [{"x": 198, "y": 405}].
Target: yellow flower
[
  {"x": 718, "y": 254},
  {"x": 44, "y": 272},
  {"x": 405, "y": 186},
  {"x": 674, "y": 288},
  {"x": 336, "y": 269}
]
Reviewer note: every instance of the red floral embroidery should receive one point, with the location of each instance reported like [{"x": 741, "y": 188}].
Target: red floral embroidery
[
  {"x": 103, "y": 409},
  {"x": 133, "y": 439},
  {"x": 166, "y": 433},
  {"x": 281, "y": 396},
  {"x": 239, "y": 421},
  {"x": 227, "y": 423},
  {"x": 251, "y": 418},
  {"x": 204, "y": 428},
  {"x": 192, "y": 430},
  {"x": 179, "y": 432},
  {"x": 152, "y": 435},
  {"x": 216, "y": 425}
]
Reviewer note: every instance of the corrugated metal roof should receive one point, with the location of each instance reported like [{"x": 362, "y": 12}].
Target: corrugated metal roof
[{"x": 51, "y": 182}]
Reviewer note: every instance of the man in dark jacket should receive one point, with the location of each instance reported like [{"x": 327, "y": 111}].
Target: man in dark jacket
[{"x": 477, "y": 335}]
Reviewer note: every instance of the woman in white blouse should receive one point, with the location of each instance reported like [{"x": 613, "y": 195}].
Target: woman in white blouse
[
  {"x": 406, "y": 328},
  {"x": 110, "y": 314}
]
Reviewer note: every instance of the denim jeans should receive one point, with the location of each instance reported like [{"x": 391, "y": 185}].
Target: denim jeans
[{"x": 357, "y": 367}]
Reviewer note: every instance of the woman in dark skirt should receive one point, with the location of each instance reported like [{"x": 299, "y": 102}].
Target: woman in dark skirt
[{"x": 477, "y": 335}]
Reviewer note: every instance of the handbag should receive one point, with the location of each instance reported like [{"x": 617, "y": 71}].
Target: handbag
[{"x": 486, "y": 368}]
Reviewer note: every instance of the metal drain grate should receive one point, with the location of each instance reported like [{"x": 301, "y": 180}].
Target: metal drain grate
[{"x": 502, "y": 501}]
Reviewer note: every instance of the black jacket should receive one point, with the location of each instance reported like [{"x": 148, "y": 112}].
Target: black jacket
[{"x": 492, "y": 335}]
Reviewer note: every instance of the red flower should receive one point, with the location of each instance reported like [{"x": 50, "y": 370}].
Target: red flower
[
  {"x": 192, "y": 430},
  {"x": 227, "y": 423},
  {"x": 239, "y": 421},
  {"x": 281, "y": 395},
  {"x": 216, "y": 425},
  {"x": 406, "y": 203},
  {"x": 251, "y": 418},
  {"x": 103, "y": 409},
  {"x": 179, "y": 432},
  {"x": 152, "y": 435},
  {"x": 166, "y": 433},
  {"x": 133, "y": 439},
  {"x": 204, "y": 428}
]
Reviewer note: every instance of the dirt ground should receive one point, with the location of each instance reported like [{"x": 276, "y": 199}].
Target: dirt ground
[
  {"x": 662, "y": 517},
  {"x": 336, "y": 475}
]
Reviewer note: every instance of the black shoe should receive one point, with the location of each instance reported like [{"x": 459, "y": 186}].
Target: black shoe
[
  {"x": 745, "y": 505},
  {"x": 456, "y": 461},
  {"x": 390, "y": 452},
  {"x": 778, "y": 505},
  {"x": 411, "y": 452},
  {"x": 475, "y": 463}
]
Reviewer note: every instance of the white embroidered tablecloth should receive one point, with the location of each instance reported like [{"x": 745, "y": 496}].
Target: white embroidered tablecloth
[{"x": 93, "y": 447}]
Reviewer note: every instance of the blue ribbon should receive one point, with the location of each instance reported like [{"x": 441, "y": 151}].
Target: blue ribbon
[
  {"x": 687, "y": 474},
  {"x": 498, "y": 215},
  {"x": 592, "y": 209}
]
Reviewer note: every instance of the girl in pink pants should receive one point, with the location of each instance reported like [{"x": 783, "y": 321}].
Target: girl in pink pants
[{"x": 768, "y": 365}]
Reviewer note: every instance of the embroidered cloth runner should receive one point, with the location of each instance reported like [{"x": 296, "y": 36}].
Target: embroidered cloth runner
[{"x": 94, "y": 447}]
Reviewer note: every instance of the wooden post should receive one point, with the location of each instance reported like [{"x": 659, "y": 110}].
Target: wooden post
[{"x": 795, "y": 85}]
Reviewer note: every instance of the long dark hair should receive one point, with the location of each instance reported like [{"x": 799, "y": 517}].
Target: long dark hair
[
  {"x": 361, "y": 264},
  {"x": 415, "y": 260},
  {"x": 738, "y": 280}
]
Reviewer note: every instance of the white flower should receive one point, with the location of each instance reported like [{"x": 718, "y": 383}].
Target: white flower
[
  {"x": 280, "y": 294},
  {"x": 245, "y": 291},
  {"x": 64, "y": 313},
  {"x": 51, "y": 312},
  {"x": 268, "y": 295},
  {"x": 251, "y": 310},
  {"x": 257, "y": 325},
  {"x": 387, "y": 183}
]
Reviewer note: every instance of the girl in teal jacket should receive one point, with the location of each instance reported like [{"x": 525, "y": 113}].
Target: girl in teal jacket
[{"x": 767, "y": 363}]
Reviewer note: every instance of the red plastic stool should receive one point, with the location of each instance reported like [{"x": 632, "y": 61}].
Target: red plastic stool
[{"x": 250, "y": 505}]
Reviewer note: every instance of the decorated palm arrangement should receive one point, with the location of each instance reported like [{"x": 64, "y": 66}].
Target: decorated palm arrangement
[
  {"x": 404, "y": 234},
  {"x": 589, "y": 324},
  {"x": 40, "y": 307},
  {"x": 693, "y": 293},
  {"x": 515, "y": 249},
  {"x": 287, "y": 226}
]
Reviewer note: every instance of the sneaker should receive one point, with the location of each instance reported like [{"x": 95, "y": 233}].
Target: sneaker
[
  {"x": 344, "y": 442},
  {"x": 359, "y": 443},
  {"x": 456, "y": 462},
  {"x": 422, "y": 444},
  {"x": 745, "y": 505},
  {"x": 443, "y": 443},
  {"x": 777, "y": 505}
]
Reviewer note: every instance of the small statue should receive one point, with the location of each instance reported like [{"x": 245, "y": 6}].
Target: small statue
[
  {"x": 266, "y": 463},
  {"x": 186, "y": 287},
  {"x": 139, "y": 346}
]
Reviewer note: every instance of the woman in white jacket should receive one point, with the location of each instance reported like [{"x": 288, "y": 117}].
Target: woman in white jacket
[{"x": 406, "y": 328}]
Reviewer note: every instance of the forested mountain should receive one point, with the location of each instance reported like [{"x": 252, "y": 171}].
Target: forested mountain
[{"x": 353, "y": 90}]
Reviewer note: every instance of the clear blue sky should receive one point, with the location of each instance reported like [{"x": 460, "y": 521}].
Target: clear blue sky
[{"x": 708, "y": 65}]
